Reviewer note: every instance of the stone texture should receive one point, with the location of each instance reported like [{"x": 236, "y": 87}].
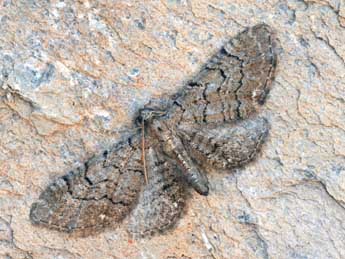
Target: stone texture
[{"x": 74, "y": 73}]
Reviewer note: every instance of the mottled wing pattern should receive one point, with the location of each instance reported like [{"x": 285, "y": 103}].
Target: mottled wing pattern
[
  {"x": 226, "y": 146},
  {"x": 207, "y": 125},
  {"x": 163, "y": 199},
  {"x": 94, "y": 196},
  {"x": 232, "y": 84}
]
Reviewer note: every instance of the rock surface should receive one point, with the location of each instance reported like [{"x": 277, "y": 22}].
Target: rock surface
[{"x": 74, "y": 73}]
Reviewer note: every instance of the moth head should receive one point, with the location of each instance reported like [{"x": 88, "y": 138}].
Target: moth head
[{"x": 147, "y": 114}]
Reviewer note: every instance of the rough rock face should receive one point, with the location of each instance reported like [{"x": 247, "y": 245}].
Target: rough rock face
[{"x": 74, "y": 73}]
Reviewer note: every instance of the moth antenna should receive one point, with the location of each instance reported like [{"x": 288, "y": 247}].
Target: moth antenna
[{"x": 143, "y": 157}]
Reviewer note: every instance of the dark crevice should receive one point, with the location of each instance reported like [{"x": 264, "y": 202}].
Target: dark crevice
[
  {"x": 159, "y": 163},
  {"x": 179, "y": 105},
  {"x": 328, "y": 44},
  {"x": 65, "y": 178},
  {"x": 105, "y": 163},
  {"x": 167, "y": 186},
  {"x": 87, "y": 179},
  {"x": 222, "y": 73},
  {"x": 338, "y": 202},
  {"x": 136, "y": 171},
  {"x": 204, "y": 113},
  {"x": 223, "y": 52},
  {"x": 193, "y": 84},
  {"x": 124, "y": 204},
  {"x": 238, "y": 111},
  {"x": 129, "y": 141},
  {"x": 176, "y": 103},
  {"x": 91, "y": 199},
  {"x": 86, "y": 166},
  {"x": 219, "y": 93}
]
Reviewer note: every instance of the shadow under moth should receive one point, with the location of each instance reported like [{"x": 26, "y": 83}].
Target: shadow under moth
[{"x": 209, "y": 124}]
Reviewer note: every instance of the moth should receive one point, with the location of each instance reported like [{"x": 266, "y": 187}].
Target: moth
[{"x": 209, "y": 124}]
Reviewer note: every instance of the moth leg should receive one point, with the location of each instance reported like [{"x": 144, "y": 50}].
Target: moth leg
[
  {"x": 163, "y": 199},
  {"x": 174, "y": 148},
  {"x": 225, "y": 146}
]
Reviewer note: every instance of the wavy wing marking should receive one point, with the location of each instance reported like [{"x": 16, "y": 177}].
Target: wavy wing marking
[
  {"x": 92, "y": 197},
  {"x": 233, "y": 83},
  {"x": 163, "y": 199},
  {"x": 226, "y": 147}
]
